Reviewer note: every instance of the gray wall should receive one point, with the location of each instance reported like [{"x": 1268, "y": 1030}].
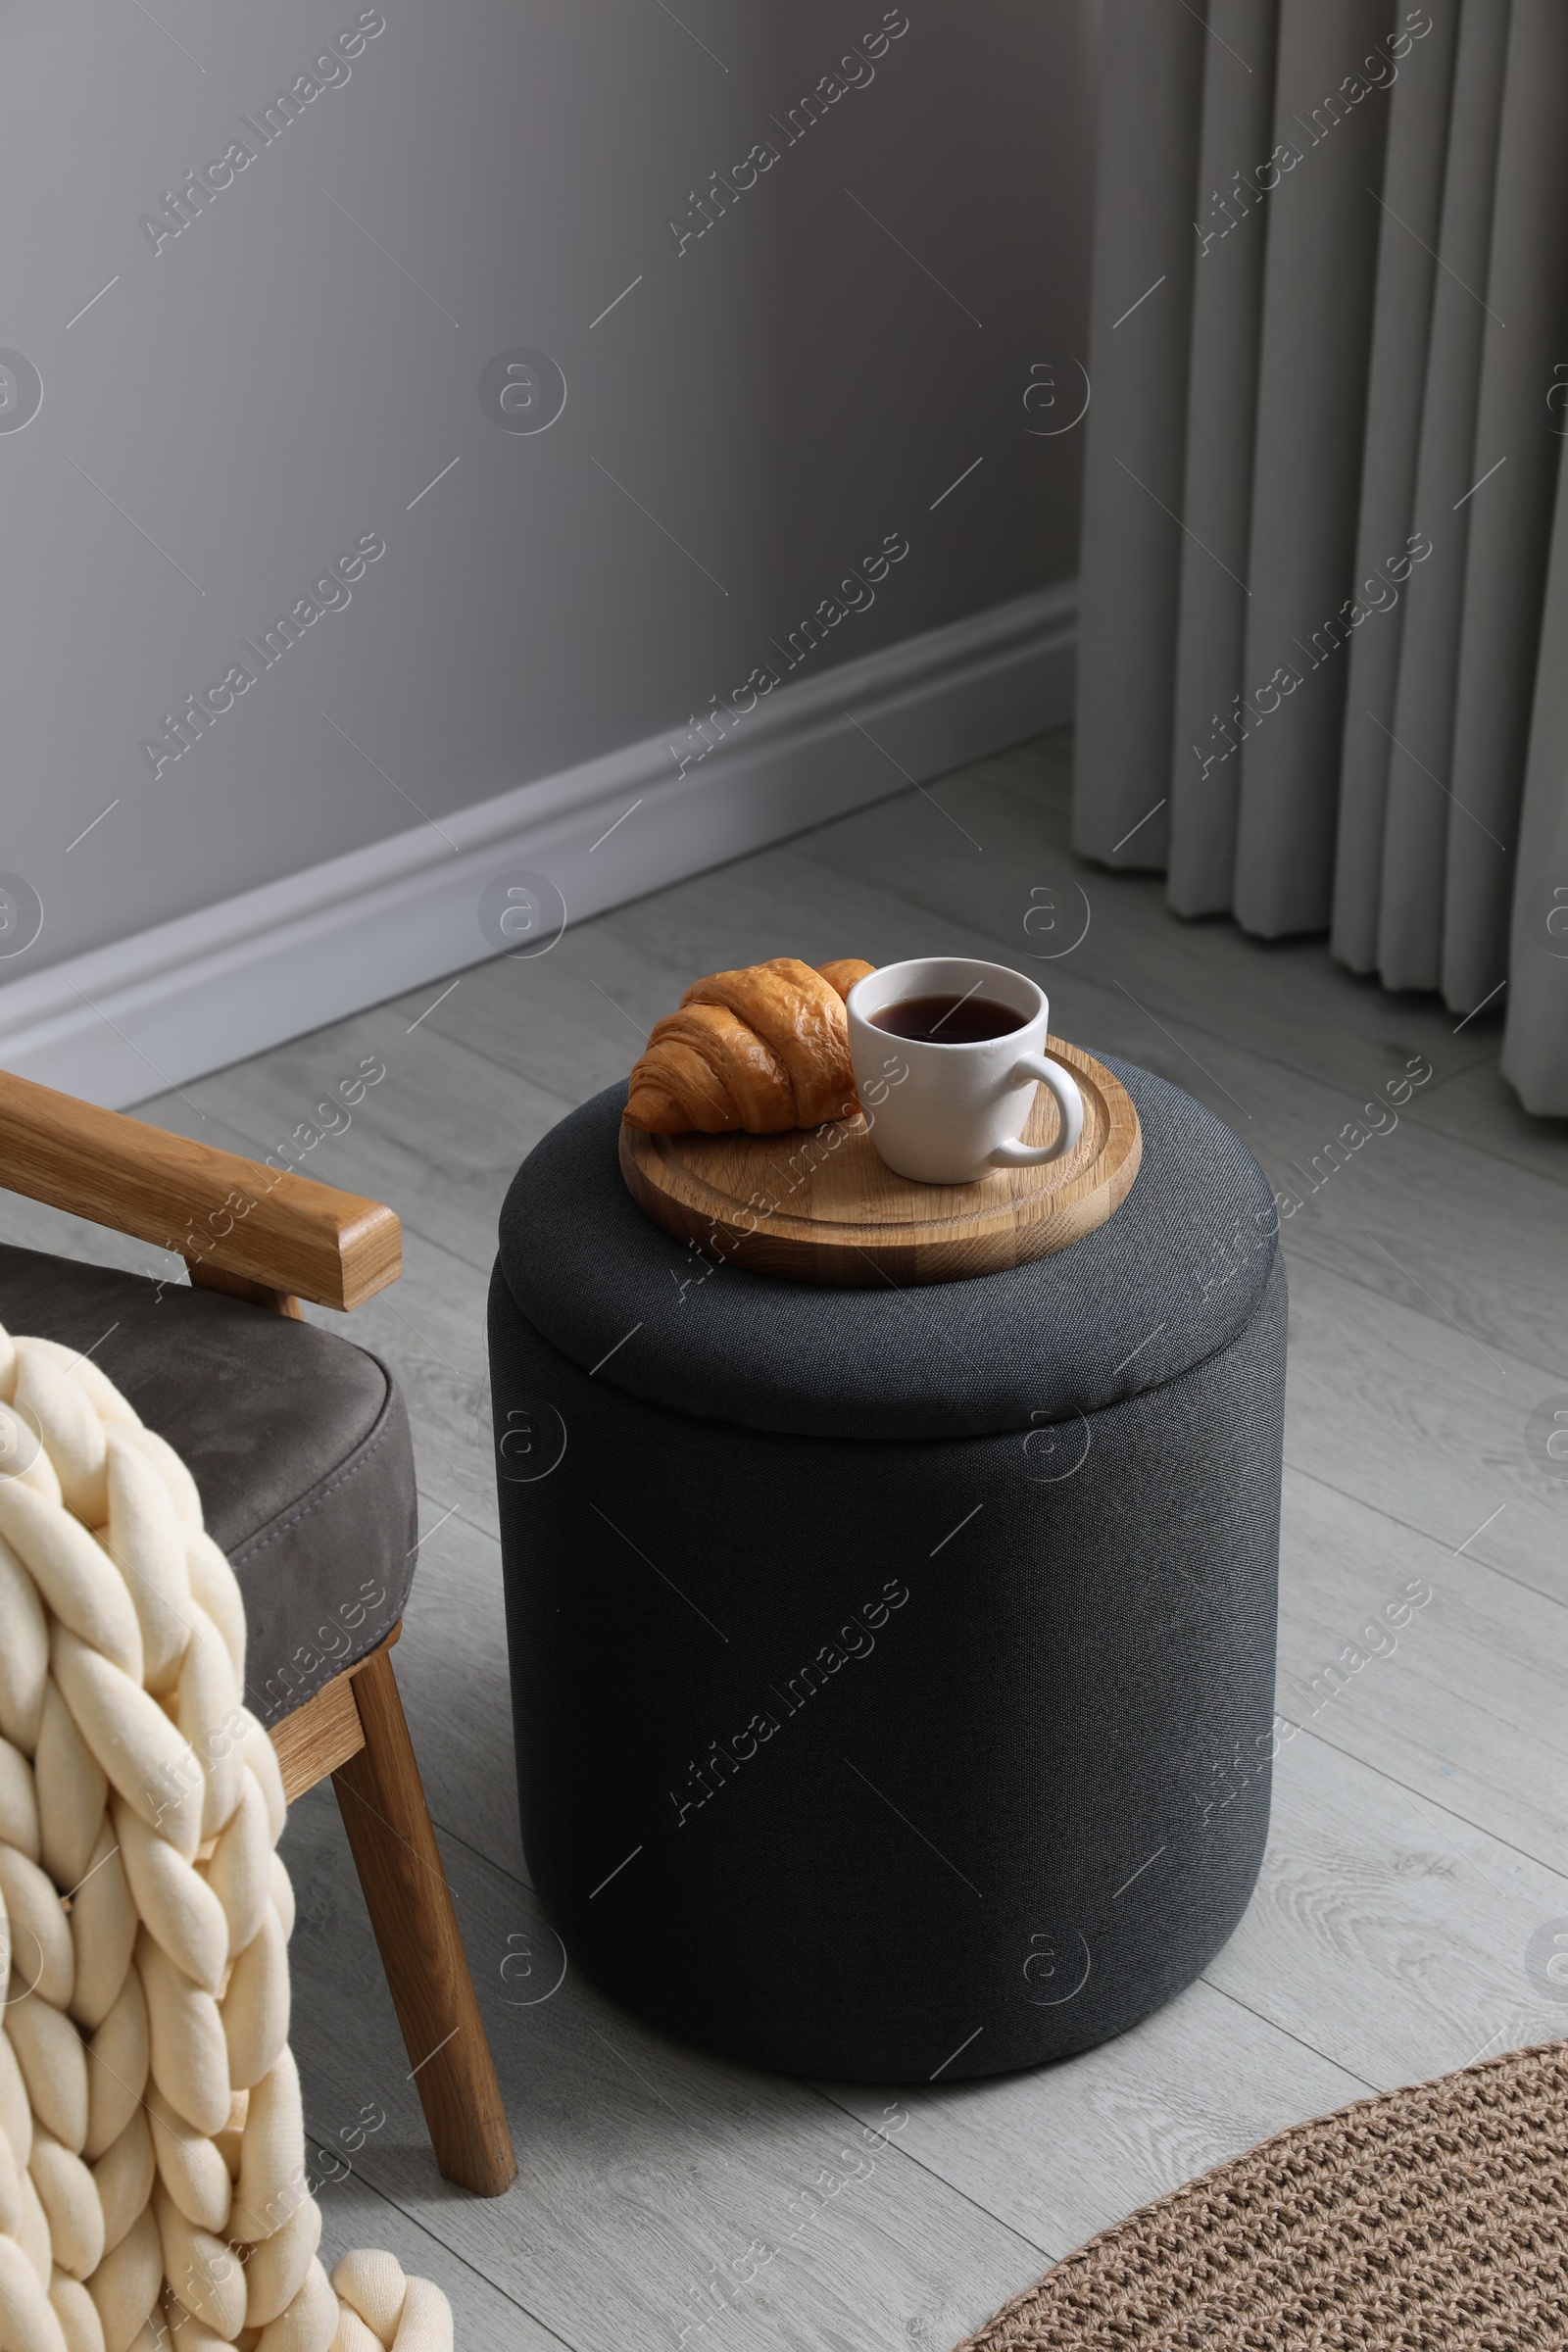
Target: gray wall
[{"x": 275, "y": 382}]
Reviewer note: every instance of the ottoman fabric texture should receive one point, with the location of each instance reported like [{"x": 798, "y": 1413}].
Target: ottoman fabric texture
[
  {"x": 892, "y": 1672},
  {"x": 1173, "y": 1275}
]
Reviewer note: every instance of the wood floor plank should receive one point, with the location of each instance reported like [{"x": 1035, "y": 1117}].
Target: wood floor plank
[
  {"x": 1389, "y": 1936},
  {"x": 572, "y": 1021},
  {"x": 1482, "y": 1107},
  {"x": 652, "y": 2178},
  {"x": 784, "y": 902},
  {"x": 1435, "y": 1669},
  {"x": 438, "y": 1134},
  {"x": 354, "y": 2214},
  {"x": 1061, "y": 2151},
  {"x": 1399, "y": 1409},
  {"x": 1421, "y": 1216},
  {"x": 1437, "y": 1227},
  {"x": 452, "y": 1670}
]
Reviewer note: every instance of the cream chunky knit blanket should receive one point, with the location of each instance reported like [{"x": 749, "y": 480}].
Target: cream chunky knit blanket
[{"x": 152, "y": 2148}]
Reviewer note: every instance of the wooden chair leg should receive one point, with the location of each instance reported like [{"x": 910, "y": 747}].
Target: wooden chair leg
[{"x": 388, "y": 1823}]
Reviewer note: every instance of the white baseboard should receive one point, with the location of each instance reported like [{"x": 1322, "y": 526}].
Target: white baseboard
[{"x": 118, "y": 1023}]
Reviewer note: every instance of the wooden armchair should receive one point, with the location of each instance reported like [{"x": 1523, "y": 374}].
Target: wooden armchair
[{"x": 258, "y": 1238}]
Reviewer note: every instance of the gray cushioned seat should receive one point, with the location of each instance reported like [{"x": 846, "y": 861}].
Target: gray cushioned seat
[
  {"x": 298, "y": 1443},
  {"x": 893, "y": 1669}
]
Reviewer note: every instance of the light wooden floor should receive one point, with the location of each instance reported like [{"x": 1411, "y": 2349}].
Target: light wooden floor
[{"x": 1420, "y": 1835}]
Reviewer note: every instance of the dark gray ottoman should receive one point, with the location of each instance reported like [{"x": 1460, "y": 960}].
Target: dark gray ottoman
[{"x": 893, "y": 1669}]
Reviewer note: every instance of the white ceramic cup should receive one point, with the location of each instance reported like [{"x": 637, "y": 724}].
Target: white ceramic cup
[{"x": 952, "y": 1113}]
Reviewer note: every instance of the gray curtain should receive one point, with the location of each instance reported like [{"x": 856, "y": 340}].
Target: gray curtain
[{"x": 1324, "y": 615}]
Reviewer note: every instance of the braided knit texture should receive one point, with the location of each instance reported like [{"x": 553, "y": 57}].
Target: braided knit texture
[
  {"x": 1430, "y": 2220},
  {"x": 153, "y": 2187}
]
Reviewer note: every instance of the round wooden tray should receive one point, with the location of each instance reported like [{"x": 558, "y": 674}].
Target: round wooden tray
[{"x": 816, "y": 1205}]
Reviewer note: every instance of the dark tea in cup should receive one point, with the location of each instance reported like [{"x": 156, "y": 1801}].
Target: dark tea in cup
[{"x": 948, "y": 1021}]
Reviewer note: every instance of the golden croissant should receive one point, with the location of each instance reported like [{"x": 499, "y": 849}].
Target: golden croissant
[{"x": 762, "y": 1049}]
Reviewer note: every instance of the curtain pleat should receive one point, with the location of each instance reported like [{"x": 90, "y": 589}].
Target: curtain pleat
[
  {"x": 1411, "y": 223},
  {"x": 1312, "y": 403},
  {"x": 1415, "y": 842},
  {"x": 1216, "y": 505},
  {"x": 1324, "y": 617},
  {"x": 1139, "y": 311},
  {"x": 1534, "y": 1053},
  {"x": 1510, "y": 528}
]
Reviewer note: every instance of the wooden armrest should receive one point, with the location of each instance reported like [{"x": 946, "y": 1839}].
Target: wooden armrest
[{"x": 234, "y": 1221}]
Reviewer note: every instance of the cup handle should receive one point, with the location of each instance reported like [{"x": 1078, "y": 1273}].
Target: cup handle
[{"x": 1069, "y": 1102}]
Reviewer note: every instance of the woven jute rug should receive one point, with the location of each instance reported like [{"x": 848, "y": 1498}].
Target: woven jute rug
[{"x": 1432, "y": 2219}]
